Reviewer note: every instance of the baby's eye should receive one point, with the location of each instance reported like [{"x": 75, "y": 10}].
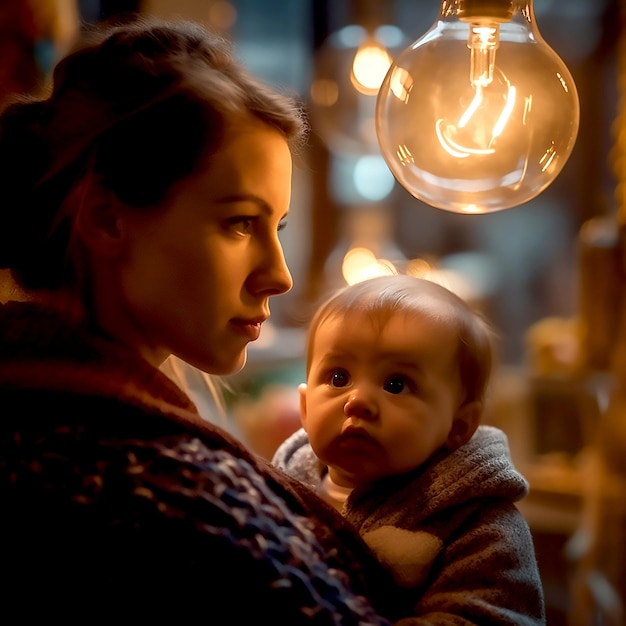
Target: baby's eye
[
  {"x": 395, "y": 384},
  {"x": 339, "y": 378}
]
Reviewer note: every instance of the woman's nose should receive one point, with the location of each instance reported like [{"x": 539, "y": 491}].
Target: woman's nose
[
  {"x": 273, "y": 276},
  {"x": 281, "y": 280},
  {"x": 361, "y": 406}
]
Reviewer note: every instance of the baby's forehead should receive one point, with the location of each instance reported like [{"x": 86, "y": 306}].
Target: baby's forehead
[
  {"x": 366, "y": 325},
  {"x": 420, "y": 307},
  {"x": 425, "y": 325}
]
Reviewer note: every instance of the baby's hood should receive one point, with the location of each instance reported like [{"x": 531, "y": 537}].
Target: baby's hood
[
  {"x": 481, "y": 469},
  {"x": 296, "y": 457}
]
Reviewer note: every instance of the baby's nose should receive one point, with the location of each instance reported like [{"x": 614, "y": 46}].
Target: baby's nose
[{"x": 358, "y": 405}]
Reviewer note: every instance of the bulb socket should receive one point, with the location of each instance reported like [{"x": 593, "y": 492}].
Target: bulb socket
[{"x": 492, "y": 10}]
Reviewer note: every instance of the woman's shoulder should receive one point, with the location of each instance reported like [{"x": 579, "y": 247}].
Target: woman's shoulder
[{"x": 177, "y": 510}]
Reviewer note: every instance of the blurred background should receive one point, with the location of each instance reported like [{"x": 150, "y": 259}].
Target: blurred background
[{"x": 548, "y": 274}]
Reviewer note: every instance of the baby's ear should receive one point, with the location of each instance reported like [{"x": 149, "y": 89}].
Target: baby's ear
[
  {"x": 464, "y": 425},
  {"x": 302, "y": 392}
]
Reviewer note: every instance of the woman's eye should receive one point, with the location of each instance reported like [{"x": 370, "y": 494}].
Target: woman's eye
[
  {"x": 395, "y": 384},
  {"x": 243, "y": 225},
  {"x": 339, "y": 379}
]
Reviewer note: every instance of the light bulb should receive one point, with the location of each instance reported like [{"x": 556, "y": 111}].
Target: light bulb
[
  {"x": 371, "y": 63},
  {"x": 479, "y": 114},
  {"x": 349, "y": 69}
]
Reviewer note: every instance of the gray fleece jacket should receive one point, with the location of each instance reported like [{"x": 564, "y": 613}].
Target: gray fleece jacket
[{"x": 449, "y": 532}]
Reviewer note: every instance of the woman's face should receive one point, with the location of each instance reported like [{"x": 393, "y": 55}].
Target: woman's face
[{"x": 195, "y": 278}]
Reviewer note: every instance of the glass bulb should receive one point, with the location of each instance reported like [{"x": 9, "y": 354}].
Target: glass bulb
[{"x": 479, "y": 114}]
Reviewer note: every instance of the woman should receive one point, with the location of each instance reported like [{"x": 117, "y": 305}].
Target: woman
[{"x": 142, "y": 202}]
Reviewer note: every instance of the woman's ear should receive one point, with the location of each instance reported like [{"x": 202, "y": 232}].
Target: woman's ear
[
  {"x": 98, "y": 217},
  {"x": 464, "y": 425},
  {"x": 302, "y": 392}
]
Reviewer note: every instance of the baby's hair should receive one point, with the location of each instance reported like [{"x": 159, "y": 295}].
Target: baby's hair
[
  {"x": 136, "y": 106},
  {"x": 383, "y": 297}
]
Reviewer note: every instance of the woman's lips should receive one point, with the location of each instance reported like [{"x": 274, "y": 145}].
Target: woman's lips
[{"x": 250, "y": 328}]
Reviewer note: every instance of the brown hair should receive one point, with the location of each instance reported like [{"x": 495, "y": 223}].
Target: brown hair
[
  {"x": 382, "y": 297},
  {"x": 137, "y": 106}
]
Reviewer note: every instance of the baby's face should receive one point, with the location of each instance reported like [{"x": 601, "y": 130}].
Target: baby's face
[{"x": 380, "y": 401}]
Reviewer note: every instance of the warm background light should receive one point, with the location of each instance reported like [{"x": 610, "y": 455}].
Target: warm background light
[{"x": 349, "y": 69}]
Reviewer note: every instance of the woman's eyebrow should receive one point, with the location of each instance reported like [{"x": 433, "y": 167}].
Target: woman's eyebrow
[{"x": 247, "y": 197}]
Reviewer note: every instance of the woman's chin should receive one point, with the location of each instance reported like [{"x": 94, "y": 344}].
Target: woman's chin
[
  {"x": 237, "y": 365},
  {"x": 222, "y": 367},
  {"x": 242, "y": 362}
]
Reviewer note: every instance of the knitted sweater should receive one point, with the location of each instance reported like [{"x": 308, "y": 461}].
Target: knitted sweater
[
  {"x": 120, "y": 502},
  {"x": 449, "y": 532}
]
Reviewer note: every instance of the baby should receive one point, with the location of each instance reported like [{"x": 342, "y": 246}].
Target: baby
[{"x": 397, "y": 369}]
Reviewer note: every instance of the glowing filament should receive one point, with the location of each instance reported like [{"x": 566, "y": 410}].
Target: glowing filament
[{"x": 449, "y": 135}]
